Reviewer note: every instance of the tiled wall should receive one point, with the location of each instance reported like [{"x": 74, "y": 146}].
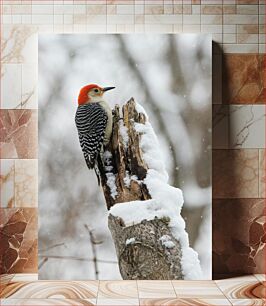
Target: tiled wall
[{"x": 238, "y": 29}]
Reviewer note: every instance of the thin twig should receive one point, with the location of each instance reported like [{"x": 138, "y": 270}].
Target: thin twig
[
  {"x": 77, "y": 258},
  {"x": 94, "y": 251}
]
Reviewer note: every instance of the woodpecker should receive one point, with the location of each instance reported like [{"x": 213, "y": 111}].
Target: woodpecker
[{"x": 94, "y": 123}]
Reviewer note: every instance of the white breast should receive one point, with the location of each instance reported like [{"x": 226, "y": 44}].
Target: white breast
[{"x": 108, "y": 129}]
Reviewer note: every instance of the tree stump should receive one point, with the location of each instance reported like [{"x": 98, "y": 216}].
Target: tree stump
[{"x": 140, "y": 251}]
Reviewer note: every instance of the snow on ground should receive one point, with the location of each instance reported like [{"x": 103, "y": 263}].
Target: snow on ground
[{"x": 166, "y": 200}]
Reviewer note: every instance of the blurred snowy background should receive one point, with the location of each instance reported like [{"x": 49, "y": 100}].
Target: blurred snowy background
[{"x": 170, "y": 75}]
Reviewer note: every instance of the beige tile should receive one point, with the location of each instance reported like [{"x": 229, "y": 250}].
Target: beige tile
[
  {"x": 240, "y": 19},
  {"x": 120, "y": 19},
  {"x": 247, "y": 29},
  {"x": 117, "y": 302},
  {"x": 21, "y": 9},
  {"x": 183, "y": 302},
  {"x": 48, "y": 302},
  {"x": 158, "y": 28},
  {"x": 197, "y": 289},
  {"x": 242, "y": 290},
  {"x": 229, "y": 38},
  {"x": 42, "y": 9},
  {"x": 42, "y": 19},
  {"x": 117, "y": 290},
  {"x": 24, "y": 277},
  {"x": 191, "y": 19},
  {"x": 248, "y": 302},
  {"x": 153, "y": 9},
  {"x": 211, "y": 19},
  {"x": 79, "y": 9},
  {"x": 260, "y": 277},
  {"x": 52, "y": 290},
  {"x": 178, "y": 9},
  {"x": 26, "y": 183},
  {"x": 10, "y": 85},
  {"x": 235, "y": 173},
  {"x": 240, "y": 48},
  {"x": 229, "y": 28},
  {"x": 191, "y": 28},
  {"x": 247, "y": 38},
  {"x": 247, "y": 126},
  {"x": 211, "y": 9},
  {"x": 29, "y": 96},
  {"x": 187, "y": 9},
  {"x": 155, "y": 289},
  {"x": 262, "y": 176},
  {"x": 96, "y": 9},
  {"x": 7, "y": 183},
  {"x": 229, "y": 9},
  {"x": 196, "y": 9},
  {"x": 163, "y": 19},
  {"x": 125, "y": 9},
  {"x": 211, "y": 28},
  {"x": 247, "y": 9},
  {"x": 168, "y": 9}
]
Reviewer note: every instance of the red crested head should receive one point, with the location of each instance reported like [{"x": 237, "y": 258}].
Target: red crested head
[
  {"x": 92, "y": 93},
  {"x": 84, "y": 93}
]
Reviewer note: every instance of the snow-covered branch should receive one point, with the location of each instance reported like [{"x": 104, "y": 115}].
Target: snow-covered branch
[{"x": 143, "y": 208}]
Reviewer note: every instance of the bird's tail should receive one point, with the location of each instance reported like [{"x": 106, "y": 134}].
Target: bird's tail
[
  {"x": 97, "y": 172},
  {"x": 99, "y": 168}
]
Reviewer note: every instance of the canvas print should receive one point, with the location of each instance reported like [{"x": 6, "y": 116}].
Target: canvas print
[{"x": 125, "y": 156}]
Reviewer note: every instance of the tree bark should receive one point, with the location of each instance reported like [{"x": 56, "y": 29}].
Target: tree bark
[{"x": 145, "y": 257}]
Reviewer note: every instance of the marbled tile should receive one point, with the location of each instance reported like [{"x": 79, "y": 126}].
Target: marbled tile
[
  {"x": 23, "y": 277},
  {"x": 7, "y": 183},
  {"x": 242, "y": 290},
  {"x": 238, "y": 241},
  {"x": 18, "y": 129},
  {"x": 183, "y": 302},
  {"x": 26, "y": 183},
  {"x": 48, "y": 302},
  {"x": 158, "y": 289},
  {"x": 235, "y": 173},
  {"x": 19, "y": 44},
  {"x": 260, "y": 277},
  {"x": 117, "y": 302},
  {"x": 197, "y": 289},
  {"x": 5, "y": 279},
  {"x": 220, "y": 126},
  {"x": 118, "y": 290},
  {"x": 18, "y": 233},
  {"x": 29, "y": 86},
  {"x": 240, "y": 49},
  {"x": 51, "y": 290},
  {"x": 247, "y": 126},
  {"x": 11, "y": 85},
  {"x": 248, "y": 302},
  {"x": 262, "y": 175},
  {"x": 243, "y": 79},
  {"x": 249, "y": 278}
]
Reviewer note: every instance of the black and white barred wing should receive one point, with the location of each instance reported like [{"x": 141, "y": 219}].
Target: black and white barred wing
[{"x": 91, "y": 121}]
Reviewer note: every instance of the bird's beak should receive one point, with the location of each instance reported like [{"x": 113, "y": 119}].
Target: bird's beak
[{"x": 107, "y": 88}]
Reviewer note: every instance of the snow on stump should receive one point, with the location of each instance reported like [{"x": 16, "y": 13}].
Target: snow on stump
[{"x": 144, "y": 211}]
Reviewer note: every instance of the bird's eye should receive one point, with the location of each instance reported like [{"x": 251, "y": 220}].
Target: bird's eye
[{"x": 96, "y": 90}]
